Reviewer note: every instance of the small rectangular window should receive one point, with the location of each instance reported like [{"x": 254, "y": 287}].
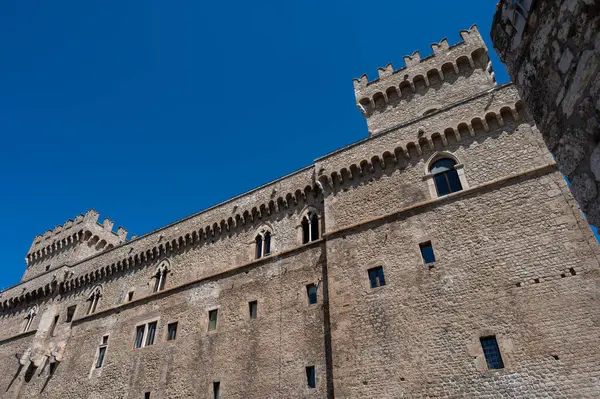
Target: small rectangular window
[
  {"x": 105, "y": 340},
  {"x": 253, "y": 308},
  {"x": 47, "y": 267},
  {"x": 151, "y": 334},
  {"x": 147, "y": 395},
  {"x": 139, "y": 336},
  {"x": 130, "y": 296},
  {"x": 311, "y": 379},
  {"x": 212, "y": 319},
  {"x": 311, "y": 291},
  {"x": 172, "y": 331},
  {"x": 492, "y": 352},
  {"x": 101, "y": 353},
  {"x": 71, "y": 313},
  {"x": 217, "y": 390},
  {"x": 427, "y": 252},
  {"x": 376, "y": 277}
]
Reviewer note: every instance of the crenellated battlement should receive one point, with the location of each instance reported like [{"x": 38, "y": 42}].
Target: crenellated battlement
[
  {"x": 56, "y": 247},
  {"x": 425, "y": 83}
]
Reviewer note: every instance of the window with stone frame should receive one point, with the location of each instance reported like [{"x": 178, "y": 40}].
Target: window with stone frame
[
  {"x": 445, "y": 176},
  {"x": 145, "y": 334},
  {"x": 94, "y": 299},
  {"x": 160, "y": 276},
  {"x": 262, "y": 243},
  {"x": 29, "y": 318},
  {"x": 311, "y": 230},
  {"x": 102, "y": 352}
]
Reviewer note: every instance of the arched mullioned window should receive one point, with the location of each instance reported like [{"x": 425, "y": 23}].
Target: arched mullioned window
[
  {"x": 262, "y": 243},
  {"x": 93, "y": 299},
  {"x": 311, "y": 230},
  {"x": 445, "y": 176},
  {"x": 29, "y": 318},
  {"x": 160, "y": 277}
]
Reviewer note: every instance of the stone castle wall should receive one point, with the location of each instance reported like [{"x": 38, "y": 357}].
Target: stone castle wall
[{"x": 515, "y": 258}]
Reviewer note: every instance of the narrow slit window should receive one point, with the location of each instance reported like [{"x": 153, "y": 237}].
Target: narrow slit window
[
  {"x": 71, "y": 313},
  {"x": 427, "y": 252},
  {"x": 314, "y": 227},
  {"x": 130, "y": 296},
  {"x": 151, "y": 334},
  {"x": 147, "y": 395},
  {"x": 311, "y": 291},
  {"x": 311, "y": 379},
  {"x": 29, "y": 319},
  {"x": 376, "y": 277},
  {"x": 305, "y": 231},
  {"x": 253, "y": 309},
  {"x": 267, "y": 243},
  {"x": 216, "y": 390},
  {"x": 172, "y": 331},
  {"x": 212, "y": 319},
  {"x": 259, "y": 244},
  {"x": 492, "y": 352}
]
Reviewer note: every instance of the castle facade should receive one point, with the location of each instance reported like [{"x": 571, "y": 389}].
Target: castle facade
[{"x": 443, "y": 256}]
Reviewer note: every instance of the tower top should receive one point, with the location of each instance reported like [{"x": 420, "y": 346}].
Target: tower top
[{"x": 453, "y": 72}]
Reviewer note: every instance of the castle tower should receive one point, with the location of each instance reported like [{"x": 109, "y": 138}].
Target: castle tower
[
  {"x": 425, "y": 85},
  {"x": 70, "y": 243}
]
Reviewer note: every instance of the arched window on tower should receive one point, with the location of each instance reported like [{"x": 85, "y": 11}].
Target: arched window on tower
[
  {"x": 311, "y": 230},
  {"x": 29, "y": 318},
  {"x": 94, "y": 299},
  {"x": 160, "y": 277},
  {"x": 262, "y": 243},
  {"x": 445, "y": 176}
]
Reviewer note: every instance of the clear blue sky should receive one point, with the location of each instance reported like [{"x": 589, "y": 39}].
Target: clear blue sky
[{"x": 148, "y": 111}]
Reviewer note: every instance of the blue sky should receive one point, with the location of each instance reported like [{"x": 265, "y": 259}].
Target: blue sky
[{"x": 148, "y": 111}]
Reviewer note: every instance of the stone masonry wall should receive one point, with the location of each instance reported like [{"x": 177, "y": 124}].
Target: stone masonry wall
[
  {"x": 418, "y": 336},
  {"x": 554, "y": 61}
]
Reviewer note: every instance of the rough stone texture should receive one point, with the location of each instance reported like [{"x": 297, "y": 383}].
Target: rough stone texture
[
  {"x": 553, "y": 56},
  {"x": 515, "y": 259}
]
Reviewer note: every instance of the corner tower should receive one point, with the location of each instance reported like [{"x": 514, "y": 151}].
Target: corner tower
[
  {"x": 424, "y": 86},
  {"x": 70, "y": 243}
]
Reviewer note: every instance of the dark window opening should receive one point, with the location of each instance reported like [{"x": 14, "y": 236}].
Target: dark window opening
[
  {"x": 151, "y": 334},
  {"x": 159, "y": 284},
  {"x": 314, "y": 227},
  {"x": 253, "y": 308},
  {"x": 572, "y": 271},
  {"x": 305, "y": 231},
  {"x": 130, "y": 296},
  {"x": 311, "y": 379},
  {"x": 53, "y": 328},
  {"x": 71, "y": 313},
  {"x": 267, "y": 243},
  {"x": 216, "y": 390},
  {"x": 172, "y": 331},
  {"x": 258, "y": 246},
  {"x": 311, "y": 290},
  {"x": 147, "y": 395},
  {"x": 139, "y": 336},
  {"x": 445, "y": 177},
  {"x": 492, "y": 352},
  {"x": 212, "y": 319},
  {"x": 376, "y": 277},
  {"x": 101, "y": 353},
  {"x": 427, "y": 252},
  {"x": 105, "y": 340},
  {"x": 47, "y": 267},
  {"x": 52, "y": 368}
]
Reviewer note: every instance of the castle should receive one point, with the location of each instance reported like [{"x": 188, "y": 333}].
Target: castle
[{"x": 442, "y": 256}]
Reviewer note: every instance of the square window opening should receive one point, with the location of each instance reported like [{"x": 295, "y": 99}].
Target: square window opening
[
  {"x": 172, "y": 331},
  {"x": 492, "y": 352},
  {"x": 212, "y": 319},
  {"x": 311, "y": 379},
  {"x": 376, "y": 277},
  {"x": 427, "y": 252},
  {"x": 253, "y": 309}
]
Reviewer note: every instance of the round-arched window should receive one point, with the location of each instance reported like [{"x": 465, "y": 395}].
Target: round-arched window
[{"x": 445, "y": 176}]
